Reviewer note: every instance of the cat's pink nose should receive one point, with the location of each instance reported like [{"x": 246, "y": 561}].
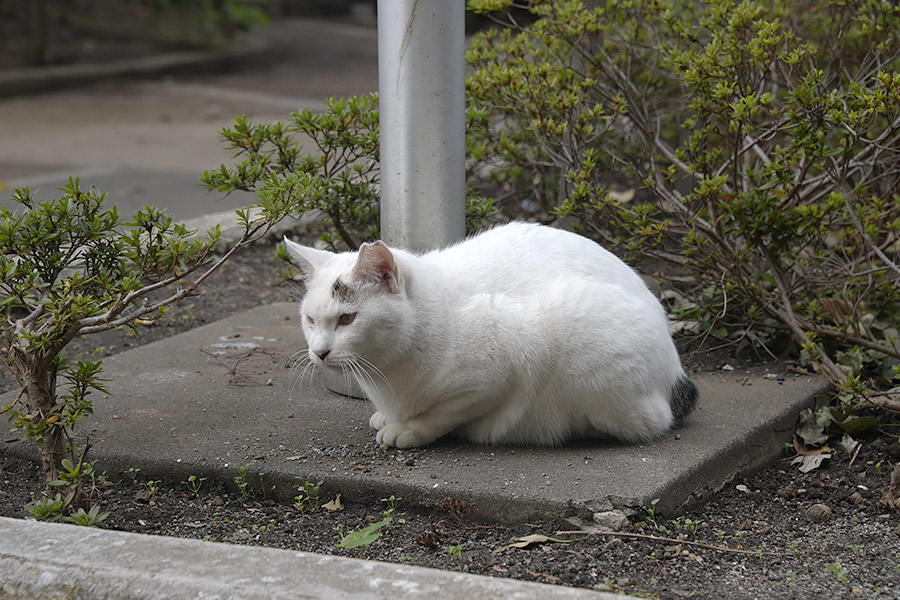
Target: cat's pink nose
[{"x": 322, "y": 354}]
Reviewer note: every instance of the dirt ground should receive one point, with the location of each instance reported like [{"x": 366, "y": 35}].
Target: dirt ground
[{"x": 823, "y": 534}]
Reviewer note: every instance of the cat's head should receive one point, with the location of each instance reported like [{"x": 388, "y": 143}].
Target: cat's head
[{"x": 355, "y": 305}]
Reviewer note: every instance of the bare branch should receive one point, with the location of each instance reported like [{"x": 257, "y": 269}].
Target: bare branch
[
  {"x": 787, "y": 316},
  {"x": 112, "y": 319}
]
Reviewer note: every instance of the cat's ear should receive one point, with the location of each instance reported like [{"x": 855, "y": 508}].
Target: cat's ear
[
  {"x": 308, "y": 259},
  {"x": 376, "y": 264}
]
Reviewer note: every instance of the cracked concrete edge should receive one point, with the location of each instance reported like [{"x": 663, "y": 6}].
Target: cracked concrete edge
[
  {"x": 55, "y": 561},
  {"x": 483, "y": 507},
  {"x": 21, "y": 82}
]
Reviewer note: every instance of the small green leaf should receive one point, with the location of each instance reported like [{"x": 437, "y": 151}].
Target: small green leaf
[{"x": 364, "y": 536}]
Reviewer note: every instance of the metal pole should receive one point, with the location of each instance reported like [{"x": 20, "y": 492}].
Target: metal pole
[{"x": 421, "y": 88}]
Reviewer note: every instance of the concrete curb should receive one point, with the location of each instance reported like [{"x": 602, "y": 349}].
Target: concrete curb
[
  {"x": 48, "y": 560},
  {"x": 21, "y": 82}
]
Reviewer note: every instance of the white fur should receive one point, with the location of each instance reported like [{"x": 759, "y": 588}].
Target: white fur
[{"x": 524, "y": 334}]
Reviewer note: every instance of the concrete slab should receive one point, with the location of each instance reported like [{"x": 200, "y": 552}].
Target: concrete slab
[
  {"x": 223, "y": 395},
  {"x": 47, "y": 560}
]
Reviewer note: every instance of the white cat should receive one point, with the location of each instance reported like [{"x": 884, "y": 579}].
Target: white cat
[{"x": 523, "y": 334}]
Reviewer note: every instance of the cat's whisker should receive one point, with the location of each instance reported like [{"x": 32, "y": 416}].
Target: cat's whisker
[
  {"x": 299, "y": 355},
  {"x": 308, "y": 369},
  {"x": 307, "y": 373},
  {"x": 295, "y": 290},
  {"x": 352, "y": 369},
  {"x": 295, "y": 362},
  {"x": 361, "y": 374},
  {"x": 300, "y": 365},
  {"x": 347, "y": 372},
  {"x": 368, "y": 367},
  {"x": 297, "y": 368},
  {"x": 297, "y": 359}
]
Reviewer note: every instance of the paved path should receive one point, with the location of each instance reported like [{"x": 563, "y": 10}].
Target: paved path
[{"x": 149, "y": 141}]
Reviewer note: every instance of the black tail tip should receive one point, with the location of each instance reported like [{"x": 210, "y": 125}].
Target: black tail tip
[{"x": 683, "y": 399}]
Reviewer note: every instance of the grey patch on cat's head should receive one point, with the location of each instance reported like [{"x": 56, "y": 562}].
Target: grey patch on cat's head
[{"x": 343, "y": 293}]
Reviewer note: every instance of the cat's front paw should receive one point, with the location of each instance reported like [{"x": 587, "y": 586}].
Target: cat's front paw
[
  {"x": 378, "y": 421},
  {"x": 399, "y": 436}
]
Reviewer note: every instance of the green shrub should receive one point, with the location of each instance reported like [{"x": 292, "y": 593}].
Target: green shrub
[
  {"x": 339, "y": 179},
  {"x": 69, "y": 267},
  {"x": 750, "y": 146}
]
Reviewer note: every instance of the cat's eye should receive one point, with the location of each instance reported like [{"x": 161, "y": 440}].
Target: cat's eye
[
  {"x": 346, "y": 318},
  {"x": 309, "y": 321}
]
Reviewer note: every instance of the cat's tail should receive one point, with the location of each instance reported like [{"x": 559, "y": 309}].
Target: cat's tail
[{"x": 682, "y": 399}]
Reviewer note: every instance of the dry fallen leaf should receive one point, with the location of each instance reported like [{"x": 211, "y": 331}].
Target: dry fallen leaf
[
  {"x": 848, "y": 443},
  {"x": 334, "y": 504},
  {"x": 809, "y": 429},
  {"x": 810, "y": 461}
]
